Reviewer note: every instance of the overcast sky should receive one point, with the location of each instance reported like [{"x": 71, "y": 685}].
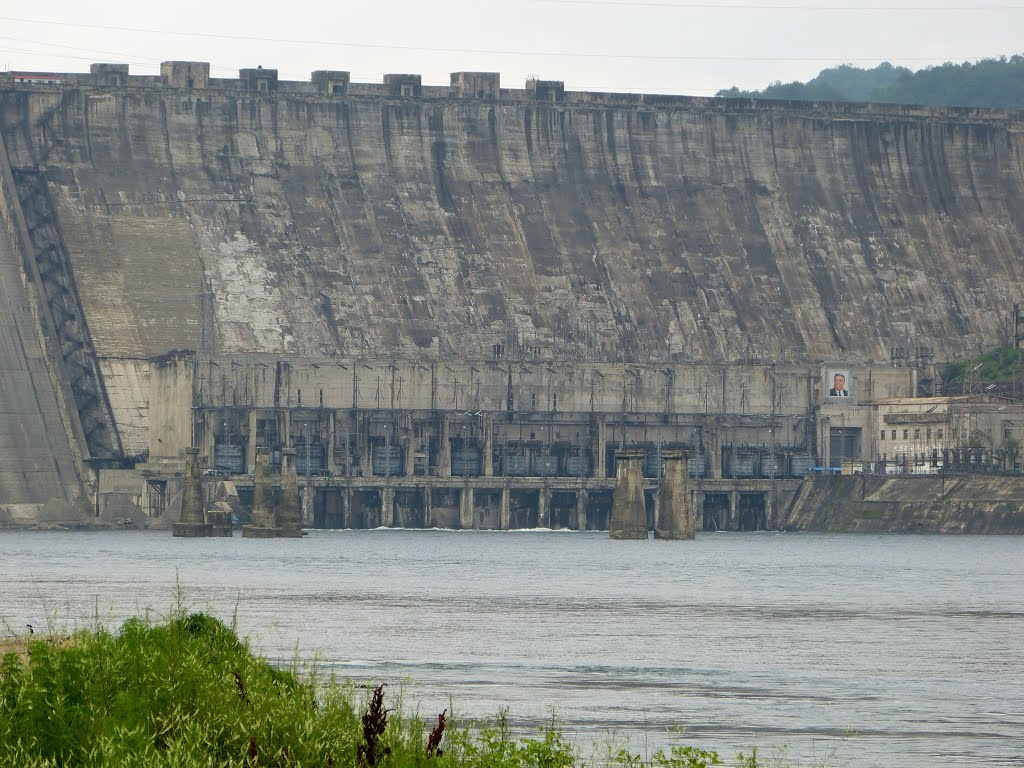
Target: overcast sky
[{"x": 656, "y": 46}]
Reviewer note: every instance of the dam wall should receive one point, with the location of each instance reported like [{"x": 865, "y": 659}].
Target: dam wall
[
  {"x": 581, "y": 226},
  {"x": 480, "y": 281}
]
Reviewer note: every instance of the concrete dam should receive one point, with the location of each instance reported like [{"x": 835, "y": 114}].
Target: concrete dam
[{"x": 423, "y": 290}]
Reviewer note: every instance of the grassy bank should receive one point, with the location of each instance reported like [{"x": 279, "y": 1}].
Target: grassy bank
[{"x": 189, "y": 693}]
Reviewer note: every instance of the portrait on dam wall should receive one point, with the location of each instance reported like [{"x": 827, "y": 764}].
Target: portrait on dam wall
[{"x": 837, "y": 381}]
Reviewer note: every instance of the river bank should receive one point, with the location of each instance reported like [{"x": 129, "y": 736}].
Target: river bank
[{"x": 188, "y": 692}]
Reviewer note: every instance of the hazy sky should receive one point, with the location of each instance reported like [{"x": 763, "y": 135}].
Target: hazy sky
[{"x": 659, "y": 46}]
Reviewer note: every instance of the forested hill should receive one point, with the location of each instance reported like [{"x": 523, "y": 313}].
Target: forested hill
[{"x": 997, "y": 83}]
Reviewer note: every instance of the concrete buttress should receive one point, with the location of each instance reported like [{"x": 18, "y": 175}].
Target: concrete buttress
[
  {"x": 192, "y": 523},
  {"x": 629, "y": 513},
  {"x": 675, "y": 520},
  {"x": 289, "y": 517},
  {"x": 262, "y": 524}
]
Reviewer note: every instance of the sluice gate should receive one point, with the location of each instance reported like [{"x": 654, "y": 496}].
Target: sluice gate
[{"x": 524, "y": 503}]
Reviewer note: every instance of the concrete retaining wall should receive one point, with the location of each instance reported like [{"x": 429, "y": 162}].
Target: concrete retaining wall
[{"x": 926, "y": 504}]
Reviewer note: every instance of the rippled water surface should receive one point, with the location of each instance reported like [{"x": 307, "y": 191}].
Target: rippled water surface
[{"x": 914, "y": 645}]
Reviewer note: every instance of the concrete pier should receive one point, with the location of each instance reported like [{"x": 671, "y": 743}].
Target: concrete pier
[
  {"x": 428, "y": 499},
  {"x": 581, "y": 510},
  {"x": 488, "y": 427},
  {"x": 467, "y": 516},
  {"x": 192, "y": 523},
  {"x": 387, "y": 507},
  {"x": 675, "y": 518},
  {"x": 262, "y": 524},
  {"x": 504, "y": 509},
  {"x": 289, "y": 516},
  {"x": 346, "y": 508},
  {"x": 444, "y": 464},
  {"x": 629, "y": 513}
]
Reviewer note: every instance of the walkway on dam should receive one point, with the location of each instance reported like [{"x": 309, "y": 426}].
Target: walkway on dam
[{"x": 36, "y": 462}]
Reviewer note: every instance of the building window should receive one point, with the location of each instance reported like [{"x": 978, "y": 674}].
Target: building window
[
  {"x": 940, "y": 434},
  {"x": 906, "y": 434},
  {"x": 883, "y": 435},
  {"x": 928, "y": 434},
  {"x": 917, "y": 434},
  {"x": 893, "y": 434}
]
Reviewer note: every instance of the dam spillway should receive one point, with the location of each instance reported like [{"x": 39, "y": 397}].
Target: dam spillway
[{"x": 392, "y": 226}]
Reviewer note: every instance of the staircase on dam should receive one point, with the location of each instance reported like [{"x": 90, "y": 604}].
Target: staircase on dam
[
  {"x": 57, "y": 286},
  {"x": 37, "y": 459}
]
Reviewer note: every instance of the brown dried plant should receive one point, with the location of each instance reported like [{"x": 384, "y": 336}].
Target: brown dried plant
[
  {"x": 375, "y": 722},
  {"x": 434, "y": 742}
]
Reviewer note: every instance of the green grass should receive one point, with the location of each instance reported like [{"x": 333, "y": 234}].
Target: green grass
[{"x": 188, "y": 693}]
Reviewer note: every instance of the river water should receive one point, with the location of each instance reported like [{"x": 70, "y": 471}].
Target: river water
[{"x": 889, "y": 651}]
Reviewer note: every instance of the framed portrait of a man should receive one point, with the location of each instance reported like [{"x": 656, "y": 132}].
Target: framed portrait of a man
[{"x": 838, "y": 383}]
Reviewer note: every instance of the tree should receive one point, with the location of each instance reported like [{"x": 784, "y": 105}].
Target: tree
[{"x": 989, "y": 83}]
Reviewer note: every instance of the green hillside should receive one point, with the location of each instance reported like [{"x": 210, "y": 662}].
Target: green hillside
[
  {"x": 997, "y": 372},
  {"x": 994, "y": 83}
]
